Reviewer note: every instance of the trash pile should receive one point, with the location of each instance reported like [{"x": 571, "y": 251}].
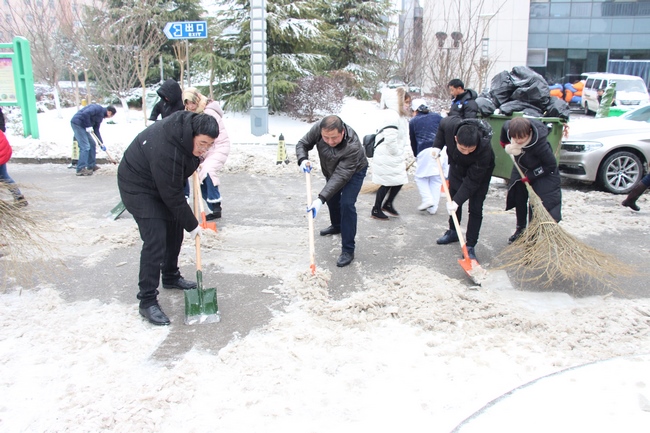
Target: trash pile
[{"x": 521, "y": 90}]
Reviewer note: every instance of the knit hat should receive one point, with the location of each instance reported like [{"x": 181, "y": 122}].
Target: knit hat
[{"x": 419, "y": 104}]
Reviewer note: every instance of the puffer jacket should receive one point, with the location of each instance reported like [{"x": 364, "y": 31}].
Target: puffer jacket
[
  {"x": 171, "y": 100},
  {"x": 388, "y": 162},
  {"x": 464, "y": 105},
  {"x": 154, "y": 168},
  {"x": 216, "y": 157},
  {"x": 338, "y": 163},
  {"x": 467, "y": 173},
  {"x": 5, "y": 149},
  {"x": 539, "y": 165}
]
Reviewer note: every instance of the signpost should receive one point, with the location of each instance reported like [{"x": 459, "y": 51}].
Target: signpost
[{"x": 186, "y": 30}]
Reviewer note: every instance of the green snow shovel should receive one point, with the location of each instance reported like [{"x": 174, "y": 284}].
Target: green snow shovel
[
  {"x": 116, "y": 211},
  {"x": 200, "y": 304}
]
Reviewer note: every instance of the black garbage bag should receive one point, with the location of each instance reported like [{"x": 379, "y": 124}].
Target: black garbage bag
[
  {"x": 485, "y": 106},
  {"x": 528, "y": 109},
  {"x": 501, "y": 88},
  {"x": 558, "y": 108},
  {"x": 530, "y": 87}
]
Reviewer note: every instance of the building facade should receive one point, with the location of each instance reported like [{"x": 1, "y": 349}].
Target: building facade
[{"x": 569, "y": 37}]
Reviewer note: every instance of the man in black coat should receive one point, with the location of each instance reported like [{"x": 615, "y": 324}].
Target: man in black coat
[
  {"x": 171, "y": 100},
  {"x": 471, "y": 162},
  {"x": 527, "y": 140},
  {"x": 150, "y": 178},
  {"x": 463, "y": 102}
]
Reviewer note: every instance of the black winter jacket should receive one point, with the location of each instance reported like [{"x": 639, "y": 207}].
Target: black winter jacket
[
  {"x": 466, "y": 172},
  {"x": 154, "y": 169},
  {"x": 422, "y": 131},
  {"x": 464, "y": 105},
  {"x": 338, "y": 163},
  {"x": 171, "y": 100},
  {"x": 539, "y": 165}
]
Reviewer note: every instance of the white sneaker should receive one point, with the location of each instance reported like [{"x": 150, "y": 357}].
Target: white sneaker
[
  {"x": 425, "y": 206},
  {"x": 432, "y": 210}
]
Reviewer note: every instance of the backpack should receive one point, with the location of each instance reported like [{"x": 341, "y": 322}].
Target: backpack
[{"x": 369, "y": 141}]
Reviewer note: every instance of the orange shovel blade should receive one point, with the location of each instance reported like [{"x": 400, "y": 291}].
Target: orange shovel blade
[
  {"x": 206, "y": 225},
  {"x": 472, "y": 268}
]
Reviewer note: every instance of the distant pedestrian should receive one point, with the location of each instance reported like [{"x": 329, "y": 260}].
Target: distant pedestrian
[
  {"x": 344, "y": 165},
  {"x": 170, "y": 100},
  {"x": 150, "y": 178},
  {"x": 84, "y": 122},
  {"x": 463, "y": 102},
  {"x": 5, "y": 156},
  {"x": 423, "y": 128},
  {"x": 388, "y": 162},
  {"x": 471, "y": 162},
  {"x": 527, "y": 140}
]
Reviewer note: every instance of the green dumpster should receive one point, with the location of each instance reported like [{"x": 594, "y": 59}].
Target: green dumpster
[{"x": 503, "y": 167}]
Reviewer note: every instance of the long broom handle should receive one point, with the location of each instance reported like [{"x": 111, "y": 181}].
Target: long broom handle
[
  {"x": 530, "y": 189},
  {"x": 197, "y": 239},
  {"x": 310, "y": 218},
  {"x": 461, "y": 238},
  {"x": 99, "y": 142}
]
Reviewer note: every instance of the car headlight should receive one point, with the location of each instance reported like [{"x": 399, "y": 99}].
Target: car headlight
[{"x": 581, "y": 146}]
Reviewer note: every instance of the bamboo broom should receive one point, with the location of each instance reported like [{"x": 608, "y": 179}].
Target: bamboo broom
[{"x": 546, "y": 253}]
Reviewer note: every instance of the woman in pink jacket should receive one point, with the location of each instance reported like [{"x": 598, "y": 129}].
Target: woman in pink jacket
[{"x": 216, "y": 157}]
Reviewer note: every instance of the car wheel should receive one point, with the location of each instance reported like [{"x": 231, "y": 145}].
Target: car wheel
[{"x": 620, "y": 171}]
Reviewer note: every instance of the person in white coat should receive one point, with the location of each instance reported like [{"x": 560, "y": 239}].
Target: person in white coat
[
  {"x": 388, "y": 162},
  {"x": 422, "y": 131},
  {"x": 216, "y": 157}
]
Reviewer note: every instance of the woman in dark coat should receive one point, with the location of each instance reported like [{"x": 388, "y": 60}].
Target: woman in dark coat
[
  {"x": 526, "y": 139},
  {"x": 150, "y": 178}
]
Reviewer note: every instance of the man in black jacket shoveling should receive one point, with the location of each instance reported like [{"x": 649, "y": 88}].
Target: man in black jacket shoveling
[{"x": 151, "y": 177}]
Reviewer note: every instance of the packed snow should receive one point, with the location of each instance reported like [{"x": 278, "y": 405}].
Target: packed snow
[{"x": 412, "y": 350}]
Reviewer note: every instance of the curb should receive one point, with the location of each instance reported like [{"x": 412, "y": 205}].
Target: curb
[{"x": 52, "y": 161}]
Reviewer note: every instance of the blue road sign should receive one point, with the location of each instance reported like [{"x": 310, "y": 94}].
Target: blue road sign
[{"x": 186, "y": 30}]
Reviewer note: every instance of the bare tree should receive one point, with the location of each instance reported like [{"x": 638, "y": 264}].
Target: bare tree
[
  {"x": 180, "y": 52},
  {"x": 121, "y": 44},
  {"x": 39, "y": 22},
  {"x": 456, "y": 43}
]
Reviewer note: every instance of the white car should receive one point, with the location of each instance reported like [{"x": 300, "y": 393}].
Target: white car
[{"x": 613, "y": 151}]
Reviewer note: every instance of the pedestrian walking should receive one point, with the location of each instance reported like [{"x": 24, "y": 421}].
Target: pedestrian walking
[
  {"x": 84, "y": 123},
  {"x": 150, "y": 178},
  {"x": 344, "y": 165},
  {"x": 388, "y": 162}
]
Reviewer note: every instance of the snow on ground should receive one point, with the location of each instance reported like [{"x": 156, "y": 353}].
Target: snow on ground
[{"x": 413, "y": 351}]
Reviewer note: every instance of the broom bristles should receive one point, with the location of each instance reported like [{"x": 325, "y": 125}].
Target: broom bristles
[{"x": 546, "y": 253}]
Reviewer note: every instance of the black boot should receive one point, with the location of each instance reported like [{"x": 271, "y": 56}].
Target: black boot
[
  {"x": 216, "y": 212},
  {"x": 633, "y": 196},
  {"x": 378, "y": 214},
  {"x": 516, "y": 234},
  {"x": 388, "y": 205},
  {"x": 389, "y": 209},
  {"x": 449, "y": 237}
]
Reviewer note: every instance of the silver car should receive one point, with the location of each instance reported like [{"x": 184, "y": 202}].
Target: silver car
[{"x": 613, "y": 151}]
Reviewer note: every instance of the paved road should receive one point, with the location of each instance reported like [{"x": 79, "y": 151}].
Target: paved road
[{"x": 262, "y": 235}]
